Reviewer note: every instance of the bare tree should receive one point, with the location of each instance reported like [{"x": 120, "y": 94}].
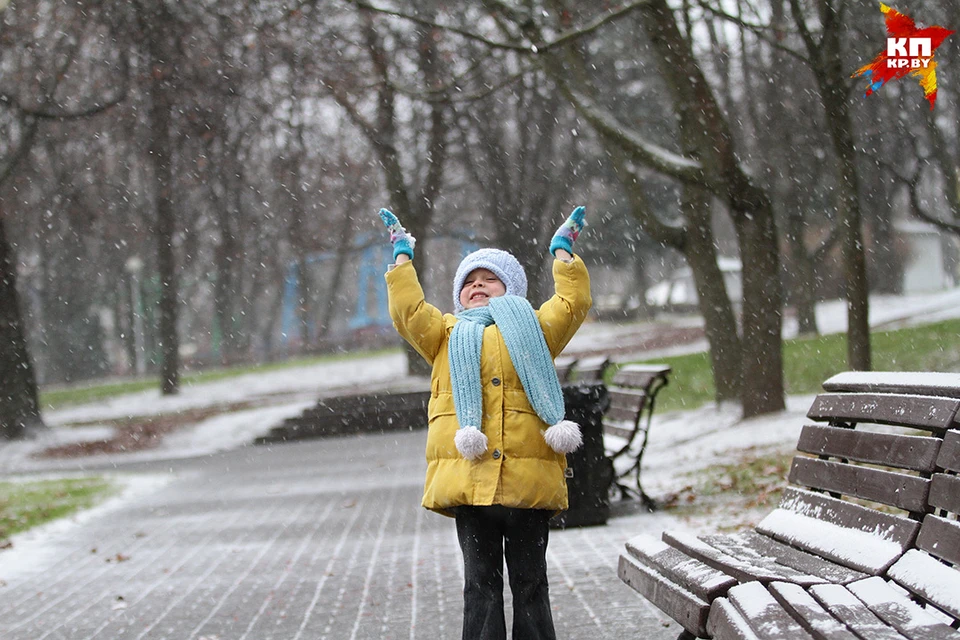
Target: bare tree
[
  {"x": 26, "y": 100},
  {"x": 519, "y": 155},
  {"x": 826, "y": 59},
  {"x": 411, "y": 161},
  {"x": 707, "y": 161}
]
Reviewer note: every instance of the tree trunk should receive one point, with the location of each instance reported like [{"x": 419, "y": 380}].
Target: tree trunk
[
  {"x": 223, "y": 288},
  {"x": 19, "y": 404},
  {"x": 828, "y": 69},
  {"x": 803, "y": 290},
  {"x": 720, "y": 324},
  {"x": 706, "y": 134},
  {"x": 166, "y": 225},
  {"x": 762, "y": 390},
  {"x": 854, "y": 257},
  {"x": 332, "y": 302}
]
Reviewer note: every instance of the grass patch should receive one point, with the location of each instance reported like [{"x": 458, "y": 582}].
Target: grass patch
[
  {"x": 55, "y": 398},
  {"x": 807, "y": 362},
  {"x": 27, "y": 504}
]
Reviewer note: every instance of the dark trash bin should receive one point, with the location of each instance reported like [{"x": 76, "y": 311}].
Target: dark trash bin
[{"x": 589, "y": 470}]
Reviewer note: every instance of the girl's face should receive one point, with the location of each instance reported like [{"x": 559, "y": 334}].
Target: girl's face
[{"x": 479, "y": 287}]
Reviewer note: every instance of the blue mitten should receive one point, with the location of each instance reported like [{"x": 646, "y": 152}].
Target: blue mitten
[
  {"x": 568, "y": 232},
  {"x": 402, "y": 241}
]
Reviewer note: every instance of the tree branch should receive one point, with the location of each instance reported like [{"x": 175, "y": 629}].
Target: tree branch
[
  {"x": 434, "y": 25},
  {"x": 561, "y": 40},
  {"x": 656, "y": 157},
  {"x": 920, "y": 213},
  {"x": 760, "y": 31}
]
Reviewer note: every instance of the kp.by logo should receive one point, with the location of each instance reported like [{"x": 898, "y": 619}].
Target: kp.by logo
[
  {"x": 918, "y": 57},
  {"x": 909, "y": 51}
]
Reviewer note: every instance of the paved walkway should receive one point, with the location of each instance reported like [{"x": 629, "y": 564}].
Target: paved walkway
[{"x": 317, "y": 539}]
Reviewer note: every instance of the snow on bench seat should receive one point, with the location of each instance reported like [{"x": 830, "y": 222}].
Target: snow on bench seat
[
  {"x": 848, "y": 534},
  {"x": 926, "y": 576},
  {"x": 755, "y": 614},
  {"x": 848, "y": 609},
  {"x": 927, "y": 383},
  {"x": 760, "y": 569},
  {"x": 809, "y": 613},
  {"x": 703, "y": 580},
  {"x": 895, "y": 607},
  {"x": 751, "y": 546},
  {"x": 677, "y": 602}
]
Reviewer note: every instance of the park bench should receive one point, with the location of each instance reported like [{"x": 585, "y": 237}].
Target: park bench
[
  {"x": 590, "y": 369},
  {"x": 632, "y": 392},
  {"x": 864, "y": 544}
]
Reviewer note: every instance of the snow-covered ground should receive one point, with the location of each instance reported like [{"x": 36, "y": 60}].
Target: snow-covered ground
[{"x": 694, "y": 438}]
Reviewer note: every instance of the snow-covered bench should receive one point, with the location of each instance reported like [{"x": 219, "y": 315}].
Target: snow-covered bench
[
  {"x": 632, "y": 392},
  {"x": 858, "y": 520}
]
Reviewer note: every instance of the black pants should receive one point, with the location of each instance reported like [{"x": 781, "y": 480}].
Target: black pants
[{"x": 486, "y": 535}]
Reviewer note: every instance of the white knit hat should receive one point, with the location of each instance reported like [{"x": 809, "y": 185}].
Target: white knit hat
[{"x": 501, "y": 263}]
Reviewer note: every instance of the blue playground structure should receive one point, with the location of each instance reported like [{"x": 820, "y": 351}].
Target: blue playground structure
[{"x": 368, "y": 309}]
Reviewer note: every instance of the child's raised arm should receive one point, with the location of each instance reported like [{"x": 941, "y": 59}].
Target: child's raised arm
[
  {"x": 403, "y": 242},
  {"x": 419, "y": 323},
  {"x": 565, "y": 311},
  {"x": 561, "y": 246}
]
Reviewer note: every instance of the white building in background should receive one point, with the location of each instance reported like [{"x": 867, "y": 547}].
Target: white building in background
[
  {"x": 930, "y": 262},
  {"x": 680, "y": 291}
]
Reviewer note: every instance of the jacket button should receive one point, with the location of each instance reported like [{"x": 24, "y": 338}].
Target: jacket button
[
  {"x": 496, "y": 454},
  {"x": 495, "y": 382}
]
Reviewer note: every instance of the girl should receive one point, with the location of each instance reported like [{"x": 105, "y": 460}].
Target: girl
[{"x": 497, "y": 439}]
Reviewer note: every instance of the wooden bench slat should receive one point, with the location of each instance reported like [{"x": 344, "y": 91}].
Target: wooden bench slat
[
  {"x": 763, "y": 613},
  {"x": 809, "y": 613},
  {"x": 591, "y": 369},
  {"x": 632, "y": 379},
  {"x": 846, "y": 533},
  {"x": 762, "y": 570},
  {"x": 941, "y": 538},
  {"x": 899, "y": 611},
  {"x": 923, "y": 383},
  {"x": 922, "y": 412},
  {"x": 945, "y": 492},
  {"x": 621, "y": 429},
  {"x": 661, "y": 369},
  {"x": 895, "y": 489},
  {"x": 932, "y": 580},
  {"x": 747, "y": 545},
  {"x": 726, "y": 623},
  {"x": 700, "y": 579},
  {"x": 678, "y": 603},
  {"x": 626, "y": 398},
  {"x": 916, "y": 453},
  {"x": 847, "y": 608},
  {"x": 949, "y": 457},
  {"x": 619, "y": 414},
  {"x": 634, "y": 375}
]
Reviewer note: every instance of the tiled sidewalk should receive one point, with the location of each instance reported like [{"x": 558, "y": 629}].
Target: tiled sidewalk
[{"x": 318, "y": 539}]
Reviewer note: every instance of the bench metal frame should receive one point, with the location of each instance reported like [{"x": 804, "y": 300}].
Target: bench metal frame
[{"x": 633, "y": 394}]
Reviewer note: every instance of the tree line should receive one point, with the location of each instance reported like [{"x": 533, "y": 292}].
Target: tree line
[{"x": 202, "y": 148}]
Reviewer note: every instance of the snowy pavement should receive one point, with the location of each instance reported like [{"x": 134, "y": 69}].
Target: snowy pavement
[{"x": 317, "y": 539}]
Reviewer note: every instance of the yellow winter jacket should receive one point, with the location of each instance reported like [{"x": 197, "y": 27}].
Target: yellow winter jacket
[{"x": 518, "y": 469}]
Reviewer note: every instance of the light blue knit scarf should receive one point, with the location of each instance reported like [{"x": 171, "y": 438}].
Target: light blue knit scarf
[{"x": 521, "y": 331}]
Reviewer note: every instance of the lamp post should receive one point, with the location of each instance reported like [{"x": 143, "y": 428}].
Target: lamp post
[{"x": 133, "y": 266}]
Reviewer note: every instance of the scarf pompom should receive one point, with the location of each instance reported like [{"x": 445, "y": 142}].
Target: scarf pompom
[
  {"x": 471, "y": 442},
  {"x": 564, "y": 437}
]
